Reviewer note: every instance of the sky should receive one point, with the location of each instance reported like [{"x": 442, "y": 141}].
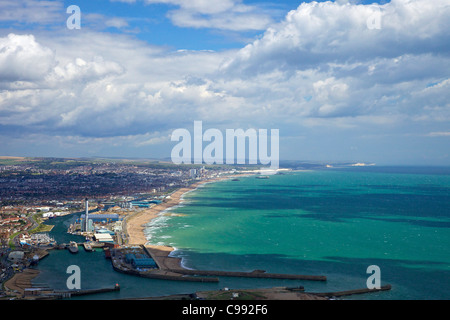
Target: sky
[{"x": 365, "y": 81}]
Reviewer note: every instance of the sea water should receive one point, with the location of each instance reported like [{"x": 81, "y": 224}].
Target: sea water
[{"x": 335, "y": 223}]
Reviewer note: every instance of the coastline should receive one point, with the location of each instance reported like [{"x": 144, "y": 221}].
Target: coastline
[
  {"x": 21, "y": 281},
  {"x": 136, "y": 224}
]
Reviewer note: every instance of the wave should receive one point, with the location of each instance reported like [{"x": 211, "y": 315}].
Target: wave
[
  {"x": 180, "y": 254},
  {"x": 161, "y": 220}
]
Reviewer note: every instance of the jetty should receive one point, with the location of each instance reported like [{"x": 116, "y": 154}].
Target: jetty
[
  {"x": 72, "y": 293},
  {"x": 165, "y": 262},
  {"x": 252, "y": 274},
  {"x": 43, "y": 292},
  {"x": 163, "y": 275},
  {"x": 87, "y": 246},
  {"x": 169, "y": 268},
  {"x": 73, "y": 247},
  {"x": 139, "y": 262},
  {"x": 351, "y": 292}
]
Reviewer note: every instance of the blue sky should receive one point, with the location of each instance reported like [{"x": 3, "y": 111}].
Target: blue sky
[
  {"x": 343, "y": 80},
  {"x": 156, "y": 27}
]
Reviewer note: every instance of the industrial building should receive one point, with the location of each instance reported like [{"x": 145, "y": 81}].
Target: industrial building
[
  {"x": 16, "y": 256},
  {"x": 140, "y": 261},
  {"x": 103, "y": 237},
  {"x": 89, "y": 227}
]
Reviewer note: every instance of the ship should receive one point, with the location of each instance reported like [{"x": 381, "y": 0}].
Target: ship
[
  {"x": 73, "y": 247},
  {"x": 262, "y": 177}
]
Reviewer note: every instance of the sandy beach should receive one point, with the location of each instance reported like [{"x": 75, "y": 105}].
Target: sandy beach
[
  {"x": 136, "y": 224},
  {"x": 21, "y": 281}
]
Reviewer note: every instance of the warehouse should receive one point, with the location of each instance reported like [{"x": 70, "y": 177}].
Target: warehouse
[
  {"x": 16, "y": 256},
  {"x": 144, "y": 263},
  {"x": 140, "y": 261},
  {"x": 103, "y": 237}
]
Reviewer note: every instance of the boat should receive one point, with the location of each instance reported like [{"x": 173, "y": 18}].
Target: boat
[
  {"x": 107, "y": 253},
  {"x": 87, "y": 247},
  {"x": 73, "y": 247},
  {"x": 262, "y": 177}
]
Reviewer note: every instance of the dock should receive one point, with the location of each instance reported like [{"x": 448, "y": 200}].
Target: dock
[
  {"x": 351, "y": 292},
  {"x": 87, "y": 246},
  {"x": 169, "y": 268},
  {"x": 252, "y": 274},
  {"x": 161, "y": 274},
  {"x": 72, "y": 293},
  {"x": 165, "y": 262}
]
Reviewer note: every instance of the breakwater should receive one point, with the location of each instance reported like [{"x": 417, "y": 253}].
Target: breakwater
[
  {"x": 169, "y": 268},
  {"x": 352, "y": 292},
  {"x": 72, "y": 293},
  {"x": 161, "y": 274},
  {"x": 253, "y": 274}
]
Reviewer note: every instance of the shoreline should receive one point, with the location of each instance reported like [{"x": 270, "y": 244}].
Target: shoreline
[
  {"x": 162, "y": 254},
  {"x": 21, "y": 281}
]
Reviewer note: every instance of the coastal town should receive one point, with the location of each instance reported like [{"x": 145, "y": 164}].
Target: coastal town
[
  {"x": 113, "y": 199},
  {"x": 110, "y": 204},
  {"x": 35, "y": 191}
]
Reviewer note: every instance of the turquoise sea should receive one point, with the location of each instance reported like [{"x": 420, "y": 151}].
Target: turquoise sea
[{"x": 324, "y": 222}]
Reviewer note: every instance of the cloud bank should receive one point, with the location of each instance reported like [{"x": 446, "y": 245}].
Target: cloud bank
[{"x": 319, "y": 72}]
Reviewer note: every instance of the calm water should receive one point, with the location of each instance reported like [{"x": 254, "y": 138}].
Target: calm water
[{"x": 333, "y": 223}]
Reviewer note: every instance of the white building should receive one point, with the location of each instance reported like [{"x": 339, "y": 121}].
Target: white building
[
  {"x": 16, "y": 256},
  {"x": 103, "y": 237}
]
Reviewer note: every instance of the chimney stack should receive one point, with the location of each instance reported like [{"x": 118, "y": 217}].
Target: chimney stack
[{"x": 87, "y": 214}]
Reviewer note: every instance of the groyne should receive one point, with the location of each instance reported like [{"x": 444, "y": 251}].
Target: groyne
[
  {"x": 351, "y": 292},
  {"x": 170, "y": 264},
  {"x": 169, "y": 268},
  {"x": 162, "y": 275},
  {"x": 72, "y": 293},
  {"x": 252, "y": 274}
]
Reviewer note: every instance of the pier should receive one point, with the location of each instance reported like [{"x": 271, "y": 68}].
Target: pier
[
  {"x": 72, "y": 293},
  {"x": 88, "y": 246},
  {"x": 252, "y": 274},
  {"x": 43, "y": 292},
  {"x": 351, "y": 292},
  {"x": 165, "y": 262},
  {"x": 120, "y": 263},
  {"x": 169, "y": 268}
]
